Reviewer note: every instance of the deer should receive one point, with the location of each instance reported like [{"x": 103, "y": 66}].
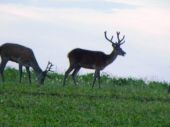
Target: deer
[
  {"x": 24, "y": 56},
  {"x": 96, "y": 60}
]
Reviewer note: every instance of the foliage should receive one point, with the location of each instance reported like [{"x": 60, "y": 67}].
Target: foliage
[{"x": 119, "y": 103}]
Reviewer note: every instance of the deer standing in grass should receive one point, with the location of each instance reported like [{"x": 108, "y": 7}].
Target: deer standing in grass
[
  {"x": 24, "y": 57},
  {"x": 93, "y": 59}
]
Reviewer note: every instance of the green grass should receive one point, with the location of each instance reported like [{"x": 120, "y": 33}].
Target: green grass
[{"x": 119, "y": 103}]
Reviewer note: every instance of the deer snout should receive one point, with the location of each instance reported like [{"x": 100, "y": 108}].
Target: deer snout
[{"x": 124, "y": 53}]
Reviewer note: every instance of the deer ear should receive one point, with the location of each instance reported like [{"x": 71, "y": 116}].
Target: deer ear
[{"x": 113, "y": 45}]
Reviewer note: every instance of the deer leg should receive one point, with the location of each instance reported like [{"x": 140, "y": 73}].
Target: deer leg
[
  {"x": 29, "y": 74},
  {"x": 2, "y": 66},
  {"x": 95, "y": 76},
  {"x": 74, "y": 74},
  {"x": 20, "y": 73},
  {"x": 67, "y": 73},
  {"x": 98, "y": 77}
]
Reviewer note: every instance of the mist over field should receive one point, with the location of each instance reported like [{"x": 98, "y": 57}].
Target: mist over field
[{"x": 54, "y": 27}]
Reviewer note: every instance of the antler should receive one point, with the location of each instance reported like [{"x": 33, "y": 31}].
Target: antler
[
  {"x": 49, "y": 66},
  {"x": 110, "y": 40},
  {"x": 120, "y": 40}
]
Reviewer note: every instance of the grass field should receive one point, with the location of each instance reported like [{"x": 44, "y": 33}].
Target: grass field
[{"x": 119, "y": 103}]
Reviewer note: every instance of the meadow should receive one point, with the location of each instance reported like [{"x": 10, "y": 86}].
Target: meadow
[{"x": 119, "y": 102}]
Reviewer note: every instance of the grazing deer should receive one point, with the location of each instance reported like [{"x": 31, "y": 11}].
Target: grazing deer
[
  {"x": 24, "y": 57},
  {"x": 93, "y": 59}
]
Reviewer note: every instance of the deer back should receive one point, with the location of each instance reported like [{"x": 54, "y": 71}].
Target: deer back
[
  {"x": 17, "y": 53},
  {"x": 87, "y": 58}
]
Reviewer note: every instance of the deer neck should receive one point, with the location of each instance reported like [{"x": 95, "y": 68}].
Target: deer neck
[
  {"x": 112, "y": 56},
  {"x": 37, "y": 69}
]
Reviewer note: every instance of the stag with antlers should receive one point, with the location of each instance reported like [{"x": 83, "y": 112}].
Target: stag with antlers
[
  {"x": 81, "y": 58},
  {"x": 24, "y": 57}
]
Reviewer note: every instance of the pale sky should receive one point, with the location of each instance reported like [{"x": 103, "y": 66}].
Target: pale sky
[{"x": 54, "y": 27}]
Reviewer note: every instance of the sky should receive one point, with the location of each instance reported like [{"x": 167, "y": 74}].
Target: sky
[{"x": 52, "y": 28}]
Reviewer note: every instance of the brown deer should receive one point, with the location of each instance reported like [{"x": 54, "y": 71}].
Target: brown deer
[
  {"x": 93, "y": 59},
  {"x": 24, "y": 57}
]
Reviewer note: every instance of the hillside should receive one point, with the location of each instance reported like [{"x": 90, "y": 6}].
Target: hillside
[{"x": 119, "y": 103}]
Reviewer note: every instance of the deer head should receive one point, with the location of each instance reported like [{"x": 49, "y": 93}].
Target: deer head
[
  {"x": 116, "y": 45},
  {"x": 42, "y": 76}
]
